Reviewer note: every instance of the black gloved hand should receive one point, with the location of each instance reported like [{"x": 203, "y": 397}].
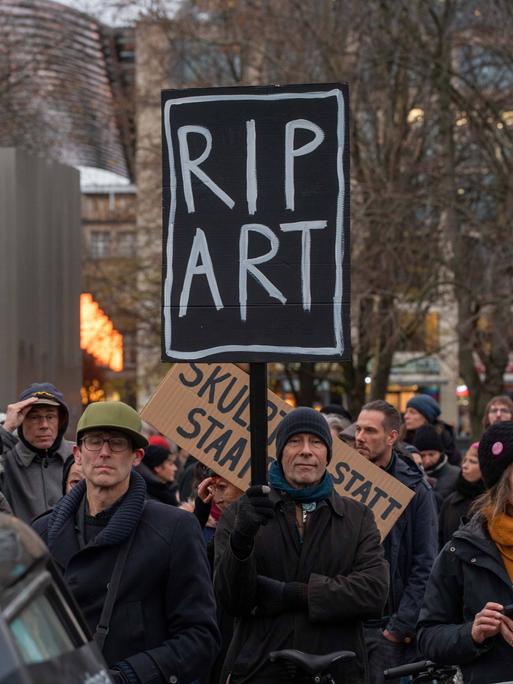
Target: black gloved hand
[
  {"x": 274, "y": 597},
  {"x": 117, "y": 677},
  {"x": 254, "y": 509}
]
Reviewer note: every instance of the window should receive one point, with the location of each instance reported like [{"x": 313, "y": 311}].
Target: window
[
  {"x": 126, "y": 244},
  {"x": 38, "y": 632},
  {"x": 100, "y": 243}
]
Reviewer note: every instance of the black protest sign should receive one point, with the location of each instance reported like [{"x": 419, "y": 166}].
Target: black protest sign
[
  {"x": 205, "y": 409},
  {"x": 256, "y": 224}
]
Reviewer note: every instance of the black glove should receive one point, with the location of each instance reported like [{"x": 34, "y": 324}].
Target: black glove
[
  {"x": 254, "y": 509},
  {"x": 117, "y": 677},
  {"x": 274, "y": 597}
]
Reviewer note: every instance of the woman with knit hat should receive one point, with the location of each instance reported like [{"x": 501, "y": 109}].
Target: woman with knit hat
[
  {"x": 461, "y": 622},
  {"x": 421, "y": 410}
]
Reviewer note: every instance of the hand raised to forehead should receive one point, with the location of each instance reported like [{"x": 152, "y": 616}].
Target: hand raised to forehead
[{"x": 16, "y": 413}]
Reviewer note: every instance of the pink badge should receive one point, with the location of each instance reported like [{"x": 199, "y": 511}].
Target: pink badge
[{"x": 497, "y": 448}]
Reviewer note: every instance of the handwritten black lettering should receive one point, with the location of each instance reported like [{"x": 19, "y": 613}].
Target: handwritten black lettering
[
  {"x": 219, "y": 444},
  {"x": 355, "y": 477},
  {"x": 196, "y": 380},
  {"x": 378, "y": 494},
  {"x": 211, "y": 383},
  {"x": 196, "y": 426},
  {"x": 338, "y": 476},
  {"x": 234, "y": 454},
  {"x": 213, "y": 424},
  {"x": 233, "y": 403},
  {"x": 393, "y": 503},
  {"x": 363, "y": 491}
]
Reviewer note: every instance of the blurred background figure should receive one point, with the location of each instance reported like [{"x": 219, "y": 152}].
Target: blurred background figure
[
  {"x": 337, "y": 425},
  {"x": 158, "y": 469},
  {"x": 71, "y": 474},
  {"x": 498, "y": 408},
  {"x": 456, "y": 508},
  {"x": 442, "y": 475},
  {"x": 424, "y": 410}
]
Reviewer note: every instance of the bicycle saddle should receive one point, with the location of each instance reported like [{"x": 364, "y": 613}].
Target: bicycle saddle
[{"x": 313, "y": 664}]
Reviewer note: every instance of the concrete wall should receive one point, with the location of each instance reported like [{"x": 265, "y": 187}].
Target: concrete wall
[{"x": 40, "y": 238}]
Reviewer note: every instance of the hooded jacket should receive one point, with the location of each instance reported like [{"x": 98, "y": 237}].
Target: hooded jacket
[
  {"x": 163, "y": 623},
  {"x": 467, "y": 574},
  {"x": 341, "y": 561},
  {"x": 31, "y": 478}
]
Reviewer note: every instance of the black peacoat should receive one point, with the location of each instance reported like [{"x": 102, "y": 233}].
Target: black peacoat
[{"x": 164, "y": 619}]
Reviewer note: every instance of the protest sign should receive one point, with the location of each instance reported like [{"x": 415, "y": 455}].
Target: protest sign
[
  {"x": 204, "y": 409},
  {"x": 256, "y": 224}
]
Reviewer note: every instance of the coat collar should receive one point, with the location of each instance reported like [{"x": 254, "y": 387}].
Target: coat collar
[
  {"x": 335, "y": 500},
  {"x": 25, "y": 456},
  {"x": 120, "y": 526}
]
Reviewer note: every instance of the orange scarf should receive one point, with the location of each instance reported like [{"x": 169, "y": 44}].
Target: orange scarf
[{"x": 501, "y": 531}]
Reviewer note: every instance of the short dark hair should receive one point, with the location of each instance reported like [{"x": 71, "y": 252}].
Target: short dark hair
[{"x": 391, "y": 416}]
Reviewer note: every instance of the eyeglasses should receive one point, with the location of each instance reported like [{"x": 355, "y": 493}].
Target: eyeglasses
[
  {"x": 502, "y": 410},
  {"x": 95, "y": 443}
]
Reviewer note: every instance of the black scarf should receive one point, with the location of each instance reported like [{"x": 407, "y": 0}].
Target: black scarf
[{"x": 470, "y": 490}]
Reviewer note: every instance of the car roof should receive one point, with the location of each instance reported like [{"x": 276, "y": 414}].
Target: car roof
[{"x": 20, "y": 549}]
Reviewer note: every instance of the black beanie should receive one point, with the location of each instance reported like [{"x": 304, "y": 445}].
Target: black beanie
[
  {"x": 303, "y": 419},
  {"x": 495, "y": 451},
  {"x": 155, "y": 455},
  {"x": 426, "y": 438}
]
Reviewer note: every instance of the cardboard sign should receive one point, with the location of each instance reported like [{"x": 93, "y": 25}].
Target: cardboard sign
[
  {"x": 205, "y": 409},
  {"x": 256, "y": 224}
]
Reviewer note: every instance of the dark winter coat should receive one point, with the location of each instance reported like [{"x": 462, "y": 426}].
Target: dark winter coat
[
  {"x": 468, "y": 573},
  {"x": 444, "y": 478},
  {"x": 157, "y": 490},
  {"x": 410, "y": 548},
  {"x": 340, "y": 559},
  {"x": 163, "y": 623},
  {"x": 455, "y": 509}
]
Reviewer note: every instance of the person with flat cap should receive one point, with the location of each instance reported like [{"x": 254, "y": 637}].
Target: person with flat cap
[
  {"x": 138, "y": 569},
  {"x": 298, "y": 565}
]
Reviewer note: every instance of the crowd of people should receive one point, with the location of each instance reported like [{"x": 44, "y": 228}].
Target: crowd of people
[{"x": 182, "y": 577}]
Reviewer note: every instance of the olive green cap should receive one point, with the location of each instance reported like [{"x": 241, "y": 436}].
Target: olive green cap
[{"x": 112, "y": 415}]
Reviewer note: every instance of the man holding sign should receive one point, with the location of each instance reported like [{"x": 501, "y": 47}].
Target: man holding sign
[{"x": 297, "y": 564}]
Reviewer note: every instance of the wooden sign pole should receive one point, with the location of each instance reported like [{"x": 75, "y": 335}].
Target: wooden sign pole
[{"x": 258, "y": 422}]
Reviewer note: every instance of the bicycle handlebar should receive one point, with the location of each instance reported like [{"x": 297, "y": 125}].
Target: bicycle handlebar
[{"x": 409, "y": 668}]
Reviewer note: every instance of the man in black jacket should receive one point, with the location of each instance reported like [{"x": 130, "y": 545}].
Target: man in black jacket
[
  {"x": 410, "y": 547},
  {"x": 163, "y": 625},
  {"x": 298, "y": 565}
]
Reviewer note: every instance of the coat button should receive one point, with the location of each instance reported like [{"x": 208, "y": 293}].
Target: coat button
[
  {"x": 473, "y": 560},
  {"x": 173, "y": 679},
  {"x": 452, "y": 549}
]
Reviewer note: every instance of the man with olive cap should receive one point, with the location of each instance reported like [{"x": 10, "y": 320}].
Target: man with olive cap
[
  {"x": 298, "y": 565},
  {"x": 162, "y": 627}
]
